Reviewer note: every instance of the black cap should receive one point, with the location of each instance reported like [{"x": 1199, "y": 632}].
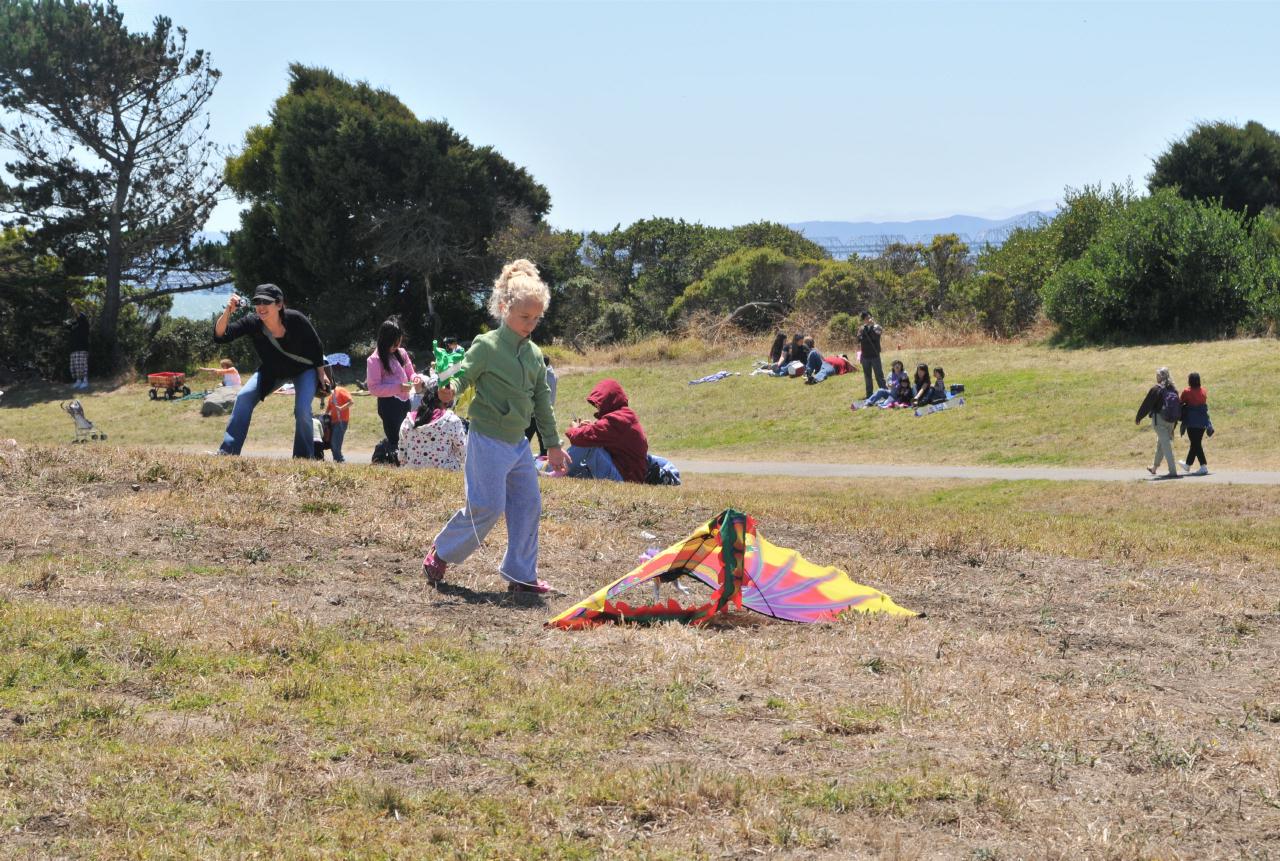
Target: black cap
[
  {"x": 270, "y": 292},
  {"x": 866, "y": 314}
]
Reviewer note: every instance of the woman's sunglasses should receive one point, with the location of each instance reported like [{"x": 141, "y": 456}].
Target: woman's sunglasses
[{"x": 257, "y": 302}]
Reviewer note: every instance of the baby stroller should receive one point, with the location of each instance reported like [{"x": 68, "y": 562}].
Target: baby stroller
[{"x": 85, "y": 430}]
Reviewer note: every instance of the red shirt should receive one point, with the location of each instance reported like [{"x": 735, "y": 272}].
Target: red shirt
[
  {"x": 840, "y": 363},
  {"x": 616, "y": 430},
  {"x": 1195, "y": 397}
]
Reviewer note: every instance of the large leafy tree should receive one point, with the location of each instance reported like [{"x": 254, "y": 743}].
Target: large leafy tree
[
  {"x": 36, "y": 300},
  {"x": 1162, "y": 268},
  {"x": 113, "y": 172},
  {"x": 359, "y": 210},
  {"x": 650, "y": 264},
  {"x": 1221, "y": 161}
]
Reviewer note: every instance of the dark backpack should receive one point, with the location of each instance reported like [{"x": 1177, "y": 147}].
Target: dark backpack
[
  {"x": 383, "y": 452},
  {"x": 1170, "y": 405}
]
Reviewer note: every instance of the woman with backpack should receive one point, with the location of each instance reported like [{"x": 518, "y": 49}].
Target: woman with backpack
[{"x": 1165, "y": 408}]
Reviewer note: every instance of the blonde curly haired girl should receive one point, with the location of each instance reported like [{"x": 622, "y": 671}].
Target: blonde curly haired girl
[{"x": 509, "y": 377}]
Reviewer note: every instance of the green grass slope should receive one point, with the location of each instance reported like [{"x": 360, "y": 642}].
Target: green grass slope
[{"x": 1025, "y": 404}]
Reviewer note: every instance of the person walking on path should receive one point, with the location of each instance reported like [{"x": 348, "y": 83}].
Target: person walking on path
[
  {"x": 869, "y": 344},
  {"x": 79, "y": 351},
  {"x": 288, "y": 349},
  {"x": 499, "y": 476},
  {"x": 1164, "y": 407},
  {"x": 389, "y": 376},
  {"x": 1195, "y": 422}
]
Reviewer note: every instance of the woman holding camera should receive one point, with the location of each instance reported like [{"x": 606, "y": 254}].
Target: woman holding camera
[{"x": 289, "y": 350}]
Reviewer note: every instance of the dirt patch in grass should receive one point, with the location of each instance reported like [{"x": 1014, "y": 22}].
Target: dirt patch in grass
[{"x": 199, "y": 658}]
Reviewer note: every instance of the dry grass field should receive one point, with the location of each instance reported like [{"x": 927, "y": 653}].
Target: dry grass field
[{"x": 217, "y": 658}]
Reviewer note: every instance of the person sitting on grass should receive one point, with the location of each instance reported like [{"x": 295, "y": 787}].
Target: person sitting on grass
[
  {"x": 903, "y": 393},
  {"x": 614, "y": 446},
  {"x": 432, "y": 435},
  {"x": 230, "y": 376},
  {"x": 939, "y": 386},
  {"x": 775, "y": 349},
  {"x": 796, "y": 351},
  {"x": 921, "y": 386},
  {"x": 885, "y": 394}
]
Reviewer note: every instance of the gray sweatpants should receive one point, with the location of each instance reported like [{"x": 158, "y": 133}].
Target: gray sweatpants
[{"x": 500, "y": 478}]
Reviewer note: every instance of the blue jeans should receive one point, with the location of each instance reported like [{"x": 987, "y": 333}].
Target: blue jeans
[
  {"x": 587, "y": 461},
  {"x": 247, "y": 401},
  {"x": 814, "y": 363},
  {"x": 335, "y": 441},
  {"x": 825, "y": 371},
  {"x": 499, "y": 478},
  {"x": 880, "y": 396}
]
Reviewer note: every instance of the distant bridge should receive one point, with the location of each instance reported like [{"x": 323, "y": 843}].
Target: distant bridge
[{"x": 874, "y": 246}]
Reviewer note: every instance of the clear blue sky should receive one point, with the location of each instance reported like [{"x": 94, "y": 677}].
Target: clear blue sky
[{"x": 726, "y": 113}]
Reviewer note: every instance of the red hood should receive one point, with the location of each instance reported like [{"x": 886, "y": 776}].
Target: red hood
[{"x": 607, "y": 397}]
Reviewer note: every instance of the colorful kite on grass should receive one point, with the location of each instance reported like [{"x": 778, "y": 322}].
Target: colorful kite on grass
[{"x": 728, "y": 555}]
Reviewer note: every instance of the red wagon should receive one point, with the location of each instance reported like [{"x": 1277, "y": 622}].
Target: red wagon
[{"x": 169, "y": 382}]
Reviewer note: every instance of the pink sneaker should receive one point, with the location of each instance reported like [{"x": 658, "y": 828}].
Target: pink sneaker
[
  {"x": 537, "y": 587},
  {"x": 433, "y": 567}
]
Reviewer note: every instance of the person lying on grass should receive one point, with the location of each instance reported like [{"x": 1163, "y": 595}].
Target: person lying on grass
[
  {"x": 510, "y": 381},
  {"x": 829, "y": 366},
  {"x": 614, "y": 446}
]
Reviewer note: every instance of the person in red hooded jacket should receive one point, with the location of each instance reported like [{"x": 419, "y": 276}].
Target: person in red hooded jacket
[{"x": 613, "y": 446}]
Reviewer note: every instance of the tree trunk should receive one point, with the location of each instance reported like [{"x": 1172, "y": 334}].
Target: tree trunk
[{"x": 109, "y": 322}]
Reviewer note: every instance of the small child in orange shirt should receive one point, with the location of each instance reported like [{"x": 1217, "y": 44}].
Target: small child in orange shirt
[{"x": 339, "y": 414}]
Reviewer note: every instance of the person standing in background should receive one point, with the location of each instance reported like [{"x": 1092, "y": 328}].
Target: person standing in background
[
  {"x": 79, "y": 326},
  {"x": 869, "y": 344}
]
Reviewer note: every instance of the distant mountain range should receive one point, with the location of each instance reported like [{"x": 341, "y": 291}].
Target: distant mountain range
[{"x": 969, "y": 227}]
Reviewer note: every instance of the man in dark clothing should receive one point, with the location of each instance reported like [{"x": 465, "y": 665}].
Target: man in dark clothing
[
  {"x": 80, "y": 351},
  {"x": 869, "y": 343},
  {"x": 614, "y": 446}
]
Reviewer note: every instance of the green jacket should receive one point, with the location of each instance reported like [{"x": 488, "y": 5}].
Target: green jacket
[{"x": 510, "y": 380}]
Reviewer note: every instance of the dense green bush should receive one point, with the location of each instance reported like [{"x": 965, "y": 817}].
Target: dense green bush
[
  {"x": 751, "y": 275},
  {"x": 842, "y": 328},
  {"x": 1161, "y": 268},
  {"x": 1265, "y": 298},
  {"x": 180, "y": 344},
  {"x": 575, "y": 307},
  {"x": 617, "y": 322}
]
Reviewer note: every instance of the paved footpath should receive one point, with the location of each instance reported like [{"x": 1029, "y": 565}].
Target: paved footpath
[
  {"x": 803, "y": 469},
  {"x": 983, "y": 473}
]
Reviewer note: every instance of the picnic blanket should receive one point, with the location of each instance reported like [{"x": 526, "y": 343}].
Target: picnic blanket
[
  {"x": 944, "y": 405},
  {"x": 712, "y": 378}
]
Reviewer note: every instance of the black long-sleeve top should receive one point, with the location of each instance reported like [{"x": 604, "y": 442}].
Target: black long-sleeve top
[
  {"x": 1151, "y": 403},
  {"x": 300, "y": 339}
]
